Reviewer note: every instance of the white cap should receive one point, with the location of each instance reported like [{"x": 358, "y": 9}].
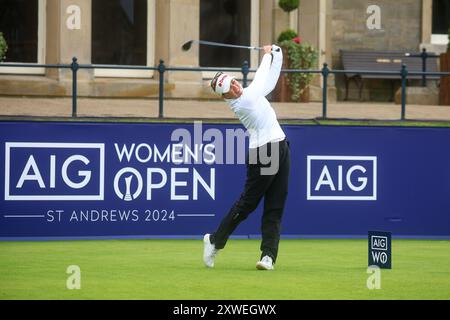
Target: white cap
[{"x": 222, "y": 84}]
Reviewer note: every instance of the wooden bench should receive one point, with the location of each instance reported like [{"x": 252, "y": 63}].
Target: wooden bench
[{"x": 382, "y": 61}]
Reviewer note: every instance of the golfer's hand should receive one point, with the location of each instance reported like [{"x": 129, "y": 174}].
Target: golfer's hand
[
  {"x": 267, "y": 49},
  {"x": 275, "y": 48}
]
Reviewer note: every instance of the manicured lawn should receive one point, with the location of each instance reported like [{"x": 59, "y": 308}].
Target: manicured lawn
[{"x": 173, "y": 269}]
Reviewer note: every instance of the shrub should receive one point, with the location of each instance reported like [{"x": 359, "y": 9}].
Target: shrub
[
  {"x": 3, "y": 47},
  {"x": 289, "y": 5},
  {"x": 301, "y": 56},
  {"x": 287, "y": 35},
  {"x": 448, "y": 48}
]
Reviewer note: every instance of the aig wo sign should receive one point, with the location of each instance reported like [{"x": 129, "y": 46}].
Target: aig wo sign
[{"x": 380, "y": 249}]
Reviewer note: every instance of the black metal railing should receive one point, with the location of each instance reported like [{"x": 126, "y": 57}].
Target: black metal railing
[
  {"x": 424, "y": 55},
  {"x": 245, "y": 70}
]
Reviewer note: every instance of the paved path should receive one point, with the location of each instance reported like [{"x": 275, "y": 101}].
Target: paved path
[{"x": 62, "y": 107}]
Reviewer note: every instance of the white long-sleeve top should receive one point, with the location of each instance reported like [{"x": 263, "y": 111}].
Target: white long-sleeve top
[{"x": 253, "y": 109}]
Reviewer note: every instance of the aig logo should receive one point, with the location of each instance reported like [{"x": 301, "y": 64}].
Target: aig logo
[
  {"x": 54, "y": 171},
  {"x": 341, "y": 178}
]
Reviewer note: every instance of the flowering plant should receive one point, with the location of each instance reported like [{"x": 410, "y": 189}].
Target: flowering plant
[{"x": 302, "y": 56}]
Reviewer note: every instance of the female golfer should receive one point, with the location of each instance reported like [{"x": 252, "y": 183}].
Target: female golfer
[{"x": 268, "y": 160}]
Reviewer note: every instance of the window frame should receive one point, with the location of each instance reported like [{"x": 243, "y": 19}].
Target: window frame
[
  {"x": 254, "y": 41},
  {"x": 438, "y": 38},
  {"x": 42, "y": 20},
  {"x": 123, "y": 73}
]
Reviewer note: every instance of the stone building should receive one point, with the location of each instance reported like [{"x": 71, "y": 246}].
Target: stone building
[{"x": 141, "y": 32}]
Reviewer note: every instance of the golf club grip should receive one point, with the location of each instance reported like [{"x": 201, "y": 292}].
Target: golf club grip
[{"x": 260, "y": 48}]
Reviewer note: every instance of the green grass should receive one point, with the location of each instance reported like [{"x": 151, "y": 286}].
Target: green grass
[{"x": 173, "y": 269}]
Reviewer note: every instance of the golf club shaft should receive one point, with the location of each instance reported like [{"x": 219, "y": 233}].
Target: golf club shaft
[{"x": 218, "y": 44}]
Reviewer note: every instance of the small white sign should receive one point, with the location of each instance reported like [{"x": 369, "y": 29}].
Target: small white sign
[
  {"x": 73, "y": 21},
  {"x": 373, "y": 22}
]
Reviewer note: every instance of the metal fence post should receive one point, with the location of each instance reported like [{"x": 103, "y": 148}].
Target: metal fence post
[
  {"x": 424, "y": 56},
  {"x": 325, "y": 73},
  {"x": 404, "y": 74},
  {"x": 245, "y": 72},
  {"x": 161, "y": 69},
  {"x": 74, "y": 67}
]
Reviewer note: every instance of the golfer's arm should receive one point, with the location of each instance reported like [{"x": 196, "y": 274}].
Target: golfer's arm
[
  {"x": 259, "y": 81},
  {"x": 274, "y": 72}
]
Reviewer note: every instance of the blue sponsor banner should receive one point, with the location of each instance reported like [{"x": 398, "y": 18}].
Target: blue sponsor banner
[{"x": 128, "y": 179}]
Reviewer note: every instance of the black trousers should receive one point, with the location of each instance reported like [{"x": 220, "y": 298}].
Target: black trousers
[{"x": 274, "y": 189}]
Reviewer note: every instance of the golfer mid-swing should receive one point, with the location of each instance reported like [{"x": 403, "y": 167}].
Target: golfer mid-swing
[{"x": 267, "y": 141}]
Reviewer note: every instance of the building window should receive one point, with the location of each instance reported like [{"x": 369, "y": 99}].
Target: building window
[
  {"x": 19, "y": 24},
  {"x": 441, "y": 21},
  {"x": 123, "y": 34},
  {"x": 441, "y": 16},
  {"x": 23, "y": 25},
  {"x": 226, "y": 21}
]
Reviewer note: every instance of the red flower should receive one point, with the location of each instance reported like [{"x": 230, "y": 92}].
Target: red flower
[{"x": 297, "y": 40}]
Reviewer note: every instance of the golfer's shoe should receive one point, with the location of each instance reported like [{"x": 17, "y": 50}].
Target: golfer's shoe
[
  {"x": 266, "y": 263},
  {"x": 209, "y": 251}
]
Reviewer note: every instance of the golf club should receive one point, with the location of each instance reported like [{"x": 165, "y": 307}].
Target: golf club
[{"x": 188, "y": 45}]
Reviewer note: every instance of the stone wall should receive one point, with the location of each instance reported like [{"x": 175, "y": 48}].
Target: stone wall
[{"x": 401, "y": 27}]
